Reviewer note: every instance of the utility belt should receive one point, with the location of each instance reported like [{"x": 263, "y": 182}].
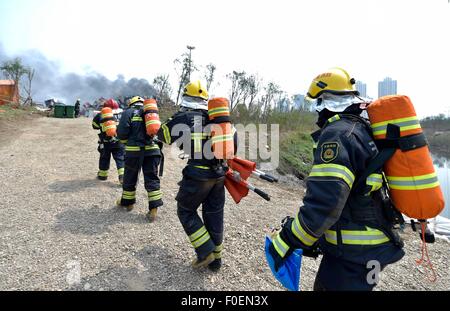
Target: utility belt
[{"x": 217, "y": 167}]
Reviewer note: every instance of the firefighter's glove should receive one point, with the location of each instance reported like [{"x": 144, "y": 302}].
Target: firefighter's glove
[{"x": 278, "y": 260}]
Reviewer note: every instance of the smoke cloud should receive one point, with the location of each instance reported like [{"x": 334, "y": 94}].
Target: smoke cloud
[{"x": 50, "y": 82}]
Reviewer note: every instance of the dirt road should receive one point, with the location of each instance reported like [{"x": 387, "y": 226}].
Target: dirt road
[{"x": 59, "y": 229}]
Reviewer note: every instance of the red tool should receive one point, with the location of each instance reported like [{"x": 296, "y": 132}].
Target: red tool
[{"x": 236, "y": 179}]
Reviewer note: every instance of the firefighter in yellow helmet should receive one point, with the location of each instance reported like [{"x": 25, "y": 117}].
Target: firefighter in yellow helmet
[
  {"x": 141, "y": 153},
  {"x": 203, "y": 177},
  {"x": 346, "y": 214}
]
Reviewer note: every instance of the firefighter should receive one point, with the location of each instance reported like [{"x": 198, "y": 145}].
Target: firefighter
[
  {"x": 108, "y": 146},
  {"x": 141, "y": 153},
  {"x": 343, "y": 217},
  {"x": 203, "y": 177},
  {"x": 77, "y": 108}
]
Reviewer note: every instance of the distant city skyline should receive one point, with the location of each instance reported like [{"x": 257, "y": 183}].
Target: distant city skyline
[
  {"x": 361, "y": 88},
  {"x": 387, "y": 87}
]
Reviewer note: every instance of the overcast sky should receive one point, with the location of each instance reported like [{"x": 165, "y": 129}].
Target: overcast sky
[{"x": 288, "y": 42}]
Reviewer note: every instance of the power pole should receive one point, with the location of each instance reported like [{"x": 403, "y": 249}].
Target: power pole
[{"x": 190, "y": 48}]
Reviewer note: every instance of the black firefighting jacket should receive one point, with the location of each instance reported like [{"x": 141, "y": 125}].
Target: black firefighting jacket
[
  {"x": 189, "y": 129},
  {"x": 345, "y": 222},
  {"x": 132, "y": 132}
]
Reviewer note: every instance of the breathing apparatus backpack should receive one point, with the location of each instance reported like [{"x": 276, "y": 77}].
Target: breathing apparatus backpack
[
  {"x": 108, "y": 122},
  {"x": 404, "y": 157},
  {"x": 152, "y": 122},
  {"x": 221, "y": 131}
]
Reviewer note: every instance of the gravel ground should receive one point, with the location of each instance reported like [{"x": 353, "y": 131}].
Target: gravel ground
[{"x": 60, "y": 230}]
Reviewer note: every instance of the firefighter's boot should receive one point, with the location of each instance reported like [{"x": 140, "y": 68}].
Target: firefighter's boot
[
  {"x": 152, "y": 214},
  {"x": 198, "y": 263},
  {"x": 128, "y": 207}
]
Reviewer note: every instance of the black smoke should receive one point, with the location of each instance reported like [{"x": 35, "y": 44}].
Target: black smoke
[{"x": 50, "y": 82}]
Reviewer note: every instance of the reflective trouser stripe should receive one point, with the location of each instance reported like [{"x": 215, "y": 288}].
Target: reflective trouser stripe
[
  {"x": 121, "y": 171},
  {"x": 405, "y": 124},
  {"x": 200, "y": 237},
  {"x": 155, "y": 195},
  {"x": 136, "y": 119},
  {"x": 103, "y": 173},
  {"x": 197, "y": 234},
  {"x": 218, "y": 251},
  {"x": 334, "y": 119},
  {"x": 333, "y": 170},
  {"x": 166, "y": 133},
  {"x": 129, "y": 195},
  {"x": 301, "y": 234},
  {"x": 413, "y": 182},
  {"x": 356, "y": 237},
  {"x": 280, "y": 246},
  {"x": 375, "y": 180},
  {"x": 124, "y": 141}
]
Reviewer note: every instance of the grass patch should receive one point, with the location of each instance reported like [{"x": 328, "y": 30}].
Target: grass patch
[
  {"x": 296, "y": 154},
  {"x": 14, "y": 112}
]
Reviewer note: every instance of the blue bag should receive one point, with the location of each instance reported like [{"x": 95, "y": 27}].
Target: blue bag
[{"x": 289, "y": 273}]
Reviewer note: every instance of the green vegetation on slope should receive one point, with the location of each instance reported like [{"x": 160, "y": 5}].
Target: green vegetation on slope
[
  {"x": 295, "y": 140},
  {"x": 10, "y": 113}
]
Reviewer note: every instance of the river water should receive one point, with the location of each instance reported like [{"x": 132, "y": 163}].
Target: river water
[{"x": 442, "y": 166}]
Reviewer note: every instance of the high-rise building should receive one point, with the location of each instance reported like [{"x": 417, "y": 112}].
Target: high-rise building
[
  {"x": 387, "y": 87},
  {"x": 361, "y": 88}
]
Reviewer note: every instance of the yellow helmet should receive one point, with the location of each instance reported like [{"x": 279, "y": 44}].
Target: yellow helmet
[
  {"x": 335, "y": 80},
  {"x": 196, "y": 89},
  {"x": 135, "y": 99}
]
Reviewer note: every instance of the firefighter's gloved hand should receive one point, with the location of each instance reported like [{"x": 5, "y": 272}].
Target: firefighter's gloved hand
[{"x": 278, "y": 260}]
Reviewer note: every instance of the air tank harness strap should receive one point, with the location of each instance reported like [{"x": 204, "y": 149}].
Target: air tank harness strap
[{"x": 387, "y": 148}]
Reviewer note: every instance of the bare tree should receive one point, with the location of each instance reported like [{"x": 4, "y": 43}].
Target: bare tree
[
  {"x": 272, "y": 95},
  {"x": 209, "y": 75},
  {"x": 253, "y": 84},
  {"x": 238, "y": 87},
  {"x": 163, "y": 89},
  {"x": 27, "y": 87},
  {"x": 184, "y": 67}
]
